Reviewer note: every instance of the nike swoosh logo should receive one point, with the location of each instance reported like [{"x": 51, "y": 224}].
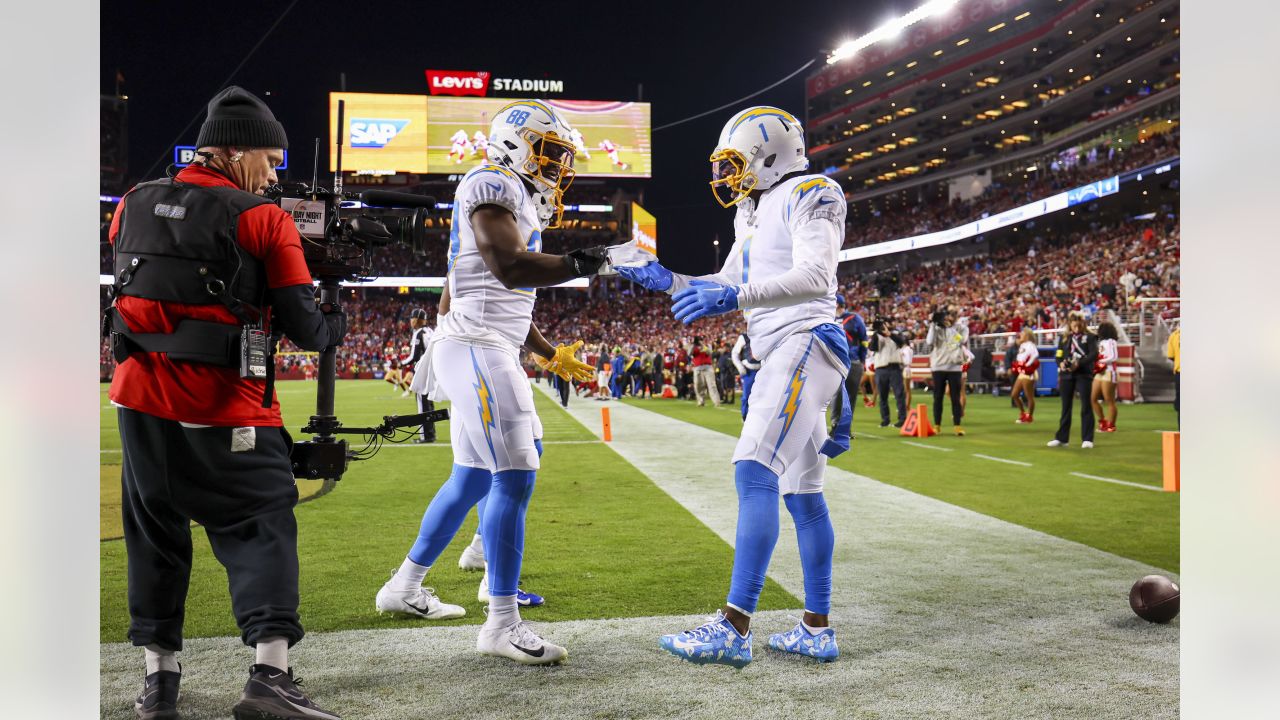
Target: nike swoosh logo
[
  {"x": 534, "y": 653},
  {"x": 825, "y": 201},
  {"x": 494, "y": 186},
  {"x": 422, "y": 610}
]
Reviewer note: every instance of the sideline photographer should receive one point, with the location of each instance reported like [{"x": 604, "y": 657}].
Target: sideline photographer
[
  {"x": 947, "y": 343},
  {"x": 886, "y": 355},
  {"x": 208, "y": 275}
]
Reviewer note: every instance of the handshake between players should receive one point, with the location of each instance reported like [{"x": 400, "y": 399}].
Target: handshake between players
[{"x": 782, "y": 267}]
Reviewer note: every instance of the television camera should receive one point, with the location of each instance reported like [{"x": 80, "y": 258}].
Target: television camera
[{"x": 340, "y": 233}]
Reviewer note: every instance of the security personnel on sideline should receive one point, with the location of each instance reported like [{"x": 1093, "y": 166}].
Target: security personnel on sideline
[
  {"x": 208, "y": 275},
  {"x": 417, "y": 348}
]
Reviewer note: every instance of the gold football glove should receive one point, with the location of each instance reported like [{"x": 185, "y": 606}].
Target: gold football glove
[{"x": 565, "y": 365}]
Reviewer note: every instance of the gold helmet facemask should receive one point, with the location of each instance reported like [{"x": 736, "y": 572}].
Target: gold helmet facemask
[
  {"x": 730, "y": 181},
  {"x": 550, "y": 164}
]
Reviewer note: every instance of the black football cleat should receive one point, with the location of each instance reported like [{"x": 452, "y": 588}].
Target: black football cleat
[
  {"x": 273, "y": 694},
  {"x": 159, "y": 698}
]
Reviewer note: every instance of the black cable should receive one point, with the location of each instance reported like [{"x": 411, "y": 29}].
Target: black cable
[
  {"x": 799, "y": 70},
  {"x": 243, "y": 60}
]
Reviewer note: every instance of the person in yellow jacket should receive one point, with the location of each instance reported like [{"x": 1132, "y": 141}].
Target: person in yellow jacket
[{"x": 1173, "y": 351}]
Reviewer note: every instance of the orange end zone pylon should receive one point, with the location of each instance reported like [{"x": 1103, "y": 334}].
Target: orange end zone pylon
[
  {"x": 604, "y": 419},
  {"x": 1172, "y": 442},
  {"x": 917, "y": 424}
]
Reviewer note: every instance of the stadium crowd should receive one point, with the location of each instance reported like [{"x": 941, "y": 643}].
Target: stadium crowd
[
  {"x": 882, "y": 220},
  {"x": 1035, "y": 284}
]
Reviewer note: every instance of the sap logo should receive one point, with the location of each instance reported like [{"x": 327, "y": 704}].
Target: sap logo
[{"x": 374, "y": 132}]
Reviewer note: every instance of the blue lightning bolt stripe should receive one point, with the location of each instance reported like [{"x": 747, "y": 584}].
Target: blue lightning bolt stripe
[
  {"x": 484, "y": 398},
  {"x": 792, "y": 404}
]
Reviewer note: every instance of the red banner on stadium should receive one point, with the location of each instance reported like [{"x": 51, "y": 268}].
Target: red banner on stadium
[{"x": 458, "y": 82}]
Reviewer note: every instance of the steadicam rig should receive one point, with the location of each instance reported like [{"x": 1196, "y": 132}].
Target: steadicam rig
[{"x": 339, "y": 236}]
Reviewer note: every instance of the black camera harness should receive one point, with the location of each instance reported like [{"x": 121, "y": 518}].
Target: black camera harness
[{"x": 177, "y": 243}]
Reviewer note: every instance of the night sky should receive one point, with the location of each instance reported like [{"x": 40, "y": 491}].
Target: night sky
[{"x": 689, "y": 57}]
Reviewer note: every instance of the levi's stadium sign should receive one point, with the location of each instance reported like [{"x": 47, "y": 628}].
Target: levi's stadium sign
[{"x": 478, "y": 82}]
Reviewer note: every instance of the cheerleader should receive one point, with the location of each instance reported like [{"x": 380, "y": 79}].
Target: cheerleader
[
  {"x": 1025, "y": 365},
  {"x": 1105, "y": 377},
  {"x": 870, "y": 395}
]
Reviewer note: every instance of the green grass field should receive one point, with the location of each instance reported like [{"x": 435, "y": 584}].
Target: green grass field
[
  {"x": 1130, "y": 522},
  {"x": 602, "y": 541}
]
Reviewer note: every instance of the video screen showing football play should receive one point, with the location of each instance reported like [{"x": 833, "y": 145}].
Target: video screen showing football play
[{"x": 427, "y": 134}]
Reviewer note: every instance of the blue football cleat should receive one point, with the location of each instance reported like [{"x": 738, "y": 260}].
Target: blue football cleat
[
  {"x": 523, "y": 599},
  {"x": 821, "y": 647},
  {"x": 528, "y": 599},
  {"x": 716, "y": 642}
]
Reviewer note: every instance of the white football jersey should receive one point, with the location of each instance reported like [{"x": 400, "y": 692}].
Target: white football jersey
[
  {"x": 799, "y": 219},
  {"x": 478, "y": 303}
]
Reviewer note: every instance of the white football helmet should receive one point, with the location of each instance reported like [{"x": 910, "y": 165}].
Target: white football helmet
[
  {"x": 757, "y": 147},
  {"x": 528, "y": 137}
]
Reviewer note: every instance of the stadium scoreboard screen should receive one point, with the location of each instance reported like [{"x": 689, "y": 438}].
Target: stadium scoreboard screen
[{"x": 439, "y": 135}]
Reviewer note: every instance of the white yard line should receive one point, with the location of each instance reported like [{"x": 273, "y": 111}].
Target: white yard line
[
  {"x": 926, "y": 447},
  {"x": 1003, "y": 460},
  {"x": 1117, "y": 482}
]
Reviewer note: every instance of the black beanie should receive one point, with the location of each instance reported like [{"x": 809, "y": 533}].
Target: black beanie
[{"x": 237, "y": 117}]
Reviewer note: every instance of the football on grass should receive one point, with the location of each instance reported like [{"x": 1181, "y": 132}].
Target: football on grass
[{"x": 1154, "y": 598}]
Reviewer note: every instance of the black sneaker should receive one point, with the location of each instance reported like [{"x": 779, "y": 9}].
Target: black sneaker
[
  {"x": 159, "y": 698},
  {"x": 884, "y": 423},
  {"x": 273, "y": 694}
]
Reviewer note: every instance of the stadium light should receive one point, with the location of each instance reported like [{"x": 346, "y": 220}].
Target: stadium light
[{"x": 890, "y": 29}]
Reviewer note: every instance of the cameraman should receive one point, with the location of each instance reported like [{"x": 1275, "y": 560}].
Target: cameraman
[
  {"x": 208, "y": 274},
  {"x": 947, "y": 344},
  {"x": 1077, "y": 353},
  {"x": 886, "y": 355}
]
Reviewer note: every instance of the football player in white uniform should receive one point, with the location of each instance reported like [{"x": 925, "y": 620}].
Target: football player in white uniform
[
  {"x": 579, "y": 143},
  {"x": 460, "y": 147},
  {"x": 479, "y": 144},
  {"x": 495, "y": 263},
  {"x": 781, "y": 272}
]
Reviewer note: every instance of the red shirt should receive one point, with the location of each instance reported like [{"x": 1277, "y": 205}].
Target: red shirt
[
  {"x": 700, "y": 357},
  {"x": 199, "y": 393}
]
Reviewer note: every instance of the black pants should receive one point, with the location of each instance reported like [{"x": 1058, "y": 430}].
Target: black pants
[
  {"x": 244, "y": 499},
  {"x": 851, "y": 382},
  {"x": 891, "y": 378},
  {"x": 1177, "y": 397},
  {"x": 941, "y": 381},
  {"x": 428, "y": 431},
  {"x": 1070, "y": 385},
  {"x": 562, "y": 386}
]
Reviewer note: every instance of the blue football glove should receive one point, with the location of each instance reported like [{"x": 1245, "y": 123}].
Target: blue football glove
[
  {"x": 703, "y": 299},
  {"x": 652, "y": 276}
]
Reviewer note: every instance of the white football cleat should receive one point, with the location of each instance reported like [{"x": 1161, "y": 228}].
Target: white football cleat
[
  {"x": 471, "y": 560},
  {"x": 1056, "y": 443},
  {"x": 520, "y": 643},
  {"x": 1087, "y": 444},
  {"x": 421, "y": 602}
]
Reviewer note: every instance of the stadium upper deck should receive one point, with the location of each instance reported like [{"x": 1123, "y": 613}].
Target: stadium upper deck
[{"x": 985, "y": 84}]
